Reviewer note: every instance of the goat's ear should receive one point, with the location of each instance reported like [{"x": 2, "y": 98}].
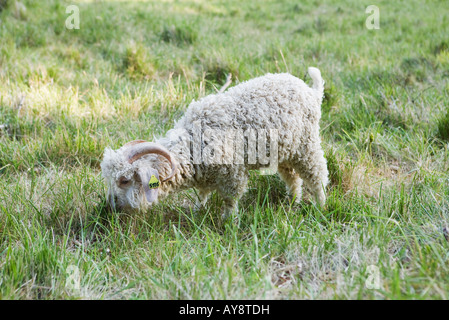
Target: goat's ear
[{"x": 150, "y": 183}]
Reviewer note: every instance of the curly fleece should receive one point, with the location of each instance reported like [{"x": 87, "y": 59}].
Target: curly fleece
[{"x": 275, "y": 101}]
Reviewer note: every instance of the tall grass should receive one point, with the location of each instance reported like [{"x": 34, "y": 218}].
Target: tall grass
[{"x": 132, "y": 69}]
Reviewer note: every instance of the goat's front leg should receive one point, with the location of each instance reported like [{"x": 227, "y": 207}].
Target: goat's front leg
[
  {"x": 231, "y": 194},
  {"x": 231, "y": 208},
  {"x": 203, "y": 195}
]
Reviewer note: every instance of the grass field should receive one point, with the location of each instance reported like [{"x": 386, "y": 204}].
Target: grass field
[{"x": 133, "y": 67}]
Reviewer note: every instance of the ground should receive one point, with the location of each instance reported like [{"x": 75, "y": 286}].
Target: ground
[{"x": 130, "y": 71}]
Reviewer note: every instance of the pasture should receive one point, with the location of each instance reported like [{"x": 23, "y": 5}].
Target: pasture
[{"x": 133, "y": 67}]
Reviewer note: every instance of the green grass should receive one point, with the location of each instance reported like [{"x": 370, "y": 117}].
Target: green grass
[{"x": 132, "y": 69}]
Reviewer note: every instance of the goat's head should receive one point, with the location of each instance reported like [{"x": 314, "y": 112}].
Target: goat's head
[{"x": 132, "y": 173}]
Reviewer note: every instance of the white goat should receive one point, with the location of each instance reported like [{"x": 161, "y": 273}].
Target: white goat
[{"x": 212, "y": 146}]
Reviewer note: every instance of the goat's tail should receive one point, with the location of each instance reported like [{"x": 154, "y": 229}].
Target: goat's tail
[{"x": 318, "y": 82}]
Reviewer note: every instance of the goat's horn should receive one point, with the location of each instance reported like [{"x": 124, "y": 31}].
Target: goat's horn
[
  {"x": 131, "y": 143},
  {"x": 139, "y": 149}
]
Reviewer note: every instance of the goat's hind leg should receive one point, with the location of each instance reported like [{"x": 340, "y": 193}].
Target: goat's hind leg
[
  {"x": 313, "y": 170},
  {"x": 292, "y": 180}
]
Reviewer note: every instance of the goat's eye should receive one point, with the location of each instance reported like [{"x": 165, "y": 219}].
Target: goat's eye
[{"x": 123, "y": 181}]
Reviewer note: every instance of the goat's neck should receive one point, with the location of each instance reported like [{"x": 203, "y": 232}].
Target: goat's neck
[
  {"x": 180, "y": 180},
  {"x": 183, "y": 177}
]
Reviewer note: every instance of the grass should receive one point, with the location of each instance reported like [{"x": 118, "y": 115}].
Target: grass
[{"x": 132, "y": 69}]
